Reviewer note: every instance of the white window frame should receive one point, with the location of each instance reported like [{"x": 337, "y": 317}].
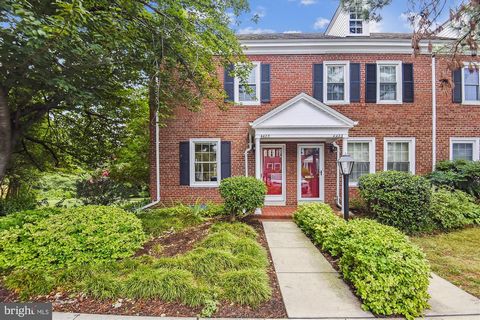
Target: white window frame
[
  {"x": 398, "y": 65},
  {"x": 411, "y": 151},
  {"x": 346, "y": 76},
  {"x": 236, "y": 83},
  {"x": 204, "y": 184},
  {"x": 474, "y": 141},
  {"x": 358, "y": 19},
  {"x": 468, "y": 102},
  {"x": 371, "y": 152}
]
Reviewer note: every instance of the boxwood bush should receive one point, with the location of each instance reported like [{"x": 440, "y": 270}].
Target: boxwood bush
[
  {"x": 388, "y": 272},
  {"x": 453, "y": 209},
  {"x": 77, "y": 235},
  {"x": 242, "y": 195},
  {"x": 398, "y": 199},
  {"x": 459, "y": 174}
]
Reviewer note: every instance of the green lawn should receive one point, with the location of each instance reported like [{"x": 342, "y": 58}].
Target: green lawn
[{"x": 455, "y": 256}]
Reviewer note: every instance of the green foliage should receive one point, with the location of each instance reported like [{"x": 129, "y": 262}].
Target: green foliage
[
  {"x": 398, "y": 199},
  {"x": 24, "y": 200},
  {"x": 30, "y": 282},
  {"x": 376, "y": 259},
  {"x": 157, "y": 221},
  {"x": 246, "y": 287},
  {"x": 242, "y": 195},
  {"x": 453, "y": 209},
  {"x": 460, "y": 174},
  {"x": 77, "y": 235},
  {"x": 29, "y": 216},
  {"x": 236, "y": 228},
  {"x": 56, "y": 186}
]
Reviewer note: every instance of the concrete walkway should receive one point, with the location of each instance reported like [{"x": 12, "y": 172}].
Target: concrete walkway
[{"x": 311, "y": 288}]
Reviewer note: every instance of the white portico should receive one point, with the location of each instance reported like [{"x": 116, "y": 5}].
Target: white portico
[{"x": 309, "y": 122}]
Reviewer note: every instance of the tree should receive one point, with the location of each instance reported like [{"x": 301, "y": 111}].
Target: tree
[{"x": 68, "y": 68}]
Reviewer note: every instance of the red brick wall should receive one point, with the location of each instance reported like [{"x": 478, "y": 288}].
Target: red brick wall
[{"x": 291, "y": 75}]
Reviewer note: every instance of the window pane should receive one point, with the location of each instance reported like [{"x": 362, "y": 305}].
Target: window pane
[
  {"x": 360, "y": 153},
  {"x": 359, "y": 169},
  {"x": 471, "y": 77},
  {"x": 398, "y": 166},
  {"x": 247, "y": 96},
  {"x": 335, "y": 91},
  {"x": 471, "y": 92},
  {"x": 205, "y": 161},
  {"x": 398, "y": 156},
  {"x": 252, "y": 76},
  {"x": 388, "y": 91},
  {"x": 388, "y": 74},
  {"x": 335, "y": 74},
  {"x": 462, "y": 151}
]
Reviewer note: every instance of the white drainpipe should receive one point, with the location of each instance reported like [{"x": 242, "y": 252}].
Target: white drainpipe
[
  {"x": 157, "y": 165},
  {"x": 434, "y": 116},
  {"x": 250, "y": 147},
  {"x": 337, "y": 198}
]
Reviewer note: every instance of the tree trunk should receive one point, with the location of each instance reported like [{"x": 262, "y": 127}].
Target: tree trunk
[{"x": 5, "y": 134}]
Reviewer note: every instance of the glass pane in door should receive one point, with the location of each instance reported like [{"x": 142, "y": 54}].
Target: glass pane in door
[
  {"x": 272, "y": 170},
  {"x": 310, "y": 172}
]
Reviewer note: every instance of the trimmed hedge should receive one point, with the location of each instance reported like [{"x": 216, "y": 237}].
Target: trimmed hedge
[
  {"x": 242, "y": 195},
  {"x": 389, "y": 273},
  {"x": 398, "y": 199},
  {"x": 78, "y": 235}
]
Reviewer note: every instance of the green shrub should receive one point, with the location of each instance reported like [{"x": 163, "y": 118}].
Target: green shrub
[
  {"x": 24, "y": 200},
  {"x": 242, "y": 195},
  {"x": 18, "y": 219},
  {"x": 30, "y": 282},
  {"x": 388, "y": 272},
  {"x": 459, "y": 174},
  {"x": 398, "y": 199},
  {"x": 77, "y": 235},
  {"x": 246, "y": 287},
  {"x": 100, "y": 189},
  {"x": 453, "y": 209},
  {"x": 157, "y": 221}
]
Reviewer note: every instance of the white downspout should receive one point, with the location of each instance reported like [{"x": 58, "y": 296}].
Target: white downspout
[
  {"x": 434, "y": 115},
  {"x": 250, "y": 147},
  {"x": 157, "y": 165},
  {"x": 337, "y": 198}
]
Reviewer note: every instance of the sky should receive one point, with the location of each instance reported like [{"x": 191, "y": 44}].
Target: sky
[{"x": 314, "y": 16}]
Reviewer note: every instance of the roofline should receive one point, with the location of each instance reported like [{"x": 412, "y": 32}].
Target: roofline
[{"x": 335, "y": 16}]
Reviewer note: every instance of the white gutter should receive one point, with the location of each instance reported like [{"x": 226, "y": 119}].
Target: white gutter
[
  {"x": 337, "y": 197},
  {"x": 434, "y": 115},
  {"x": 157, "y": 165},
  {"x": 250, "y": 147}
]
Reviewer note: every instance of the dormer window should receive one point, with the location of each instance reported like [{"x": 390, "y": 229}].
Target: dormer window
[{"x": 356, "y": 21}]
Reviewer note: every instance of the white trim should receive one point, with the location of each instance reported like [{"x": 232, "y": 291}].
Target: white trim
[
  {"x": 411, "y": 150},
  {"x": 236, "y": 86},
  {"x": 398, "y": 65},
  {"x": 321, "y": 182},
  {"x": 276, "y": 200},
  {"x": 346, "y": 79},
  {"x": 371, "y": 152},
  {"x": 474, "y": 141},
  {"x": 468, "y": 102},
  {"x": 204, "y": 184},
  {"x": 334, "y": 46},
  {"x": 434, "y": 114}
]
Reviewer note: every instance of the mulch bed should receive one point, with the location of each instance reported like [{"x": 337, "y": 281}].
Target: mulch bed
[{"x": 172, "y": 244}]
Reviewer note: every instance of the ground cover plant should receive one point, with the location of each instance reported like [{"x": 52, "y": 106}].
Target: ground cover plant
[
  {"x": 455, "y": 256},
  {"x": 376, "y": 259},
  {"x": 453, "y": 209}
]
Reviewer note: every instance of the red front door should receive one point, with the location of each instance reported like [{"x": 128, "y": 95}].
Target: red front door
[{"x": 273, "y": 172}]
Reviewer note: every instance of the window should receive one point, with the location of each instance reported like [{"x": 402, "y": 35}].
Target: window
[
  {"x": 336, "y": 77},
  {"x": 464, "y": 149},
  {"x": 362, "y": 151},
  {"x": 204, "y": 162},
  {"x": 399, "y": 154},
  {"x": 250, "y": 96},
  {"x": 356, "y": 20},
  {"x": 389, "y": 82},
  {"x": 471, "y": 86}
]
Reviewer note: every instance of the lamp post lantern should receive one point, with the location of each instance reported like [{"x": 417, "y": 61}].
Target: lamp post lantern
[{"x": 346, "y": 165}]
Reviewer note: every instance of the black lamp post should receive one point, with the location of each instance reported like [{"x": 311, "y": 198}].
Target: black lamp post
[{"x": 346, "y": 165}]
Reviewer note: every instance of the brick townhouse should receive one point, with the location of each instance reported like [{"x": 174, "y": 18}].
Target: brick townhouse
[{"x": 316, "y": 96}]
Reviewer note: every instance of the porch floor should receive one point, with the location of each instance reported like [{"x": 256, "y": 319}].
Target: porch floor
[{"x": 277, "y": 212}]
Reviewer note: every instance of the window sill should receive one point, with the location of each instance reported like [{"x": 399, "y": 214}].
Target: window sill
[
  {"x": 247, "y": 103},
  {"x": 336, "y": 102},
  {"x": 389, "y": 102},
  {"x": 471, "y": 103},
  {"x": 204, "y": 185}
]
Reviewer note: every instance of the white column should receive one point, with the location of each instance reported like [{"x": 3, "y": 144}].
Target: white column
[{"x": 257, "y": 157}]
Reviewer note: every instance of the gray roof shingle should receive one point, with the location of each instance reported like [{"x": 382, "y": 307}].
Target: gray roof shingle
[{"x": 317, "y": 35}]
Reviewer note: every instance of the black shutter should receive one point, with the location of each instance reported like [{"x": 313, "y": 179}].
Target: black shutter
[
  {"x": 265, "y": 82},
  {"x": 318, "y": 81},
  {"x": 184, "y": 163},
  {"x": 371, "y": 82},
  {"x": 354, "y": 82},
  {"x": 407, "y": 78},
  {"x": 228, "y": 83},
  {"x": 226, "y": 159},
  {"x": 457, "y": 89}
]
